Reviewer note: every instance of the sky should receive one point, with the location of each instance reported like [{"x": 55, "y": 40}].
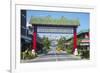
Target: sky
[{"x": 83, "y": 18}]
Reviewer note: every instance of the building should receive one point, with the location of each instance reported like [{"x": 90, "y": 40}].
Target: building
[
  {"x": 26, "y": 33},
  {"x": 83, "y": 43},
  {"x": 84, "y": 39}
]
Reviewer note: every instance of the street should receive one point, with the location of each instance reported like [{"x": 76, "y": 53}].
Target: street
[{"x": 51, "y": 56}]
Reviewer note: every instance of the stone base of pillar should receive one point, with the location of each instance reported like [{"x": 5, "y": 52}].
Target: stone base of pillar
[
  {"x": 75, "y": 52},
  {"x": 33, "y": 52}
]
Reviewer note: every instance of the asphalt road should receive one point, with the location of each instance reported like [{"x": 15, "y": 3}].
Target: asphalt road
[{"x": 53, "y": 57}]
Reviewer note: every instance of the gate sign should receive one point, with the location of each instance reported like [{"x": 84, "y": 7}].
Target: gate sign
[{"x": 41, "y": 29}]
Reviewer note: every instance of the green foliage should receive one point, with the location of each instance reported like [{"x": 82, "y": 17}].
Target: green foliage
[
  {"x": 50, "y": 20},
  {"x": 28, "y": 55},
  {"x": 61, "y": 43},
  {"x": 70, "y": 47},
  {"x": 46, "y": 44},
  {"x": 69, "y": 50},
  {"x": 85, "y": 54}
]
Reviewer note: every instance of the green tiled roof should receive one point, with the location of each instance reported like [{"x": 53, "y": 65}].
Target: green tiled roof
[
  {"x": 48, "y": 20},
  {"x": 83, "y": 31}
]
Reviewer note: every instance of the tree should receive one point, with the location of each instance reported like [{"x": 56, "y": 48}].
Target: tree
[
  {"x": 61, "y": 43},
  {"x": 46, "y": 44}
]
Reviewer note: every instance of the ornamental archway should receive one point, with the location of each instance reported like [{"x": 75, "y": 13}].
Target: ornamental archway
[{"x": 51, "y": 25}]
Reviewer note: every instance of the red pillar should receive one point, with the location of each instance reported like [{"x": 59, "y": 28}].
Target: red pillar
[
  {"x": 34, "y": 40},
  {"x": 74, "y": 40}
]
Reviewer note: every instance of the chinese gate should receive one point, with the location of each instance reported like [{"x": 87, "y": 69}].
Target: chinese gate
[{"x": 48, "y": 25}]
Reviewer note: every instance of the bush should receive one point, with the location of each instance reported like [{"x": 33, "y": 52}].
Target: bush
[
  {"x": 69, "y": 50},
  {"x": 28, "y": 55},
  {"x": 58, "y": 50},
  {"x": 85, "y": 54}
]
